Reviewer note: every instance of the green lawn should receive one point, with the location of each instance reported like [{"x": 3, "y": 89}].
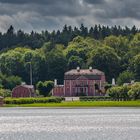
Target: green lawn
[{"x": 82, "y": 104}]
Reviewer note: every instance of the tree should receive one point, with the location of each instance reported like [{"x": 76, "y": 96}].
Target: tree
[
  {"x": 11, "y": 63},
  {"x": 135, "y": 66},
  {"x": 120, "y": 44},
  {"x": 56, "y": 65},
  {"x": 106, "y": 60},
  {"x": 84, "y": 30},
  {"x": 125, "y": 77},
  {"x": 9, "y": 82},
  {"x": 37, "y": 61},
  {"x": 81, "y": 47},
  {"x": 44, "y": 88},
  {"x": 74, "y": 62},
  {"x": 134, "y": 47}
]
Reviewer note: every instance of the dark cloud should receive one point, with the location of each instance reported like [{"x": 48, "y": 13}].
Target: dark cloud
[
  {"x": 120, "y": 9},
  {"x": 94, "y": 1},
  {"x": 37, "y": 1},
  {"x": 53, "y": 14}
]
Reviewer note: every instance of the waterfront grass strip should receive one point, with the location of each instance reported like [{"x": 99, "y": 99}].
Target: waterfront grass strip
[{"x": 81, "y": 104}]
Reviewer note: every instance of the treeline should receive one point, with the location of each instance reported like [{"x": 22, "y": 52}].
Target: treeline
[
  {"x": 35, "y": 40},
  {"x": 116, "y": 55}
]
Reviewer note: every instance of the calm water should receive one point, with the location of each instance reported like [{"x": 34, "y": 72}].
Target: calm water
[{"x": 70, "y": 124}]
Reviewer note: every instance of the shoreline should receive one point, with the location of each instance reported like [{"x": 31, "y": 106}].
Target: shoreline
[
  {"x": 79, "y": 104},
  {"x": 99, "y": 107}
]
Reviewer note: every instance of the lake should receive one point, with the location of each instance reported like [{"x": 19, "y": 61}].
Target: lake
[{"x": 69, "y": 124}]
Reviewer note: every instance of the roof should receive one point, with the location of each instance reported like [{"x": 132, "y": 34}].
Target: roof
[
  {"x": 28, "y": 86},
  {"x": 84, "y": 72},
  {"x": 31, "y": 87},
  {"x": 87, "y": 73}
]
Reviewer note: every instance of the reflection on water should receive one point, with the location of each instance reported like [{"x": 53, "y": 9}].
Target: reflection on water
[{"x": 70, "y": 124}]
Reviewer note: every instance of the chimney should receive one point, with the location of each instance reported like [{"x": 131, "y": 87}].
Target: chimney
[
  {"x": 23, "y": 83},
  {"x": 113, "y": 82},
  {"x": 90, "y": 68},
  {"x": 55, "y": 82},
  {"x": 78, "y": 69}
]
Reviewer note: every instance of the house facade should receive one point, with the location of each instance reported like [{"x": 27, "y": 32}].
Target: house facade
[
  {"x": 23, "y": 91},
  {"x": 81, "y": 82}
]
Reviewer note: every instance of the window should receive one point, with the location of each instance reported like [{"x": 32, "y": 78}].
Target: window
[
  {"x": 73, "y": 82},
  {"x": 96, "y": 87},
  {"x": 67, "y": 82},
  {"x": 73, "y": 90},
  {"x": 67, "y": 89}
]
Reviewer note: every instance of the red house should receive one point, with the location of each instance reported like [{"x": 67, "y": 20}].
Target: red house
[
  {"x": 81, "y": 82},
  {"x": 22, "y": 91}
]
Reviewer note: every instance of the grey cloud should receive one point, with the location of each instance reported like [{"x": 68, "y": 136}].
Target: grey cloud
[
  {"x": 53, "y": 14},
  {"x": 94, "y": 1},
  {"x": 119, "y": 9},
  {"x": 49, "y": 2}
]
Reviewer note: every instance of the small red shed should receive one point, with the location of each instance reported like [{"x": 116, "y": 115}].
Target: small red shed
[{"x": 23, "y": 91}]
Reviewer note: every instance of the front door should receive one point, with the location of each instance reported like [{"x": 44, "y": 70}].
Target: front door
[{"x": 82, "y": 91}]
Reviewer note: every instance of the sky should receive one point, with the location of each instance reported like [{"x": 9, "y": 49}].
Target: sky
[{"x": 40, "y": 15}]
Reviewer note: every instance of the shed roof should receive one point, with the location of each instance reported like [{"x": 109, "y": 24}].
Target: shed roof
[{"x": 28, "y": 86}]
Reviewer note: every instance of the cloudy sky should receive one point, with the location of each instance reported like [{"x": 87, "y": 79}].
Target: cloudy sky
[{"x": 53, "y": 14}]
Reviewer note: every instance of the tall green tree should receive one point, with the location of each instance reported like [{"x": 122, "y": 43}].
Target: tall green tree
[
  {"x": 125, "y": 77},
  {"x": 106, "y": 60}
]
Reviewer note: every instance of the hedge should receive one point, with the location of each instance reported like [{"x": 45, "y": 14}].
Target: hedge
[
  {"x": 95, "y": 98},
  {"x": 32, "y": 100}
]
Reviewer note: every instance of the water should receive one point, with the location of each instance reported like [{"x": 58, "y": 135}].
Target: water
[{"x": 70, "y": 124}]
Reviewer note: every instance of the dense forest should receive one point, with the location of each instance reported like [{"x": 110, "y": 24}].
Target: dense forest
[{"x": 114, "y": 50}]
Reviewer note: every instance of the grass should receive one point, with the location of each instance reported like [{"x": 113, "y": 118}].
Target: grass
[{"x": 81, "y": 104}]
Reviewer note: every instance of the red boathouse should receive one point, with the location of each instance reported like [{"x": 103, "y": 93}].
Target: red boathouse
[
  {"x": 23, "y": 91},
  {"x": 81, "y": 82}
]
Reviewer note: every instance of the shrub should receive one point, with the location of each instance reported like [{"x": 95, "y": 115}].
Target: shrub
[
  {"x": 134, "y": 92},
  {"x": 32, "y": 100},
  {"x": 44, "y": 88},
  {"x": 119, "y": 92},
  {"x": 95, "y": 98},
  {"x": 5, "y": 93}
]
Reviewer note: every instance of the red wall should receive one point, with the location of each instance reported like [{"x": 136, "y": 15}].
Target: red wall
[
  {"x": 21, "y": 92},
  {"x": 58, "y": 91},
  {"x": 69, "y": 88}
]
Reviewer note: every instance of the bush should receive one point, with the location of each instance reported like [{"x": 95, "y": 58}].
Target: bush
[
  {"x": 44, "y": 88},
  {"x": 95, "y": 98},
  {"x": 32, "y": 100},
  {"x": 119, "y": 92},
  {"x": 5, "y": 93},
  {"x": 134, "y": 92}
]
